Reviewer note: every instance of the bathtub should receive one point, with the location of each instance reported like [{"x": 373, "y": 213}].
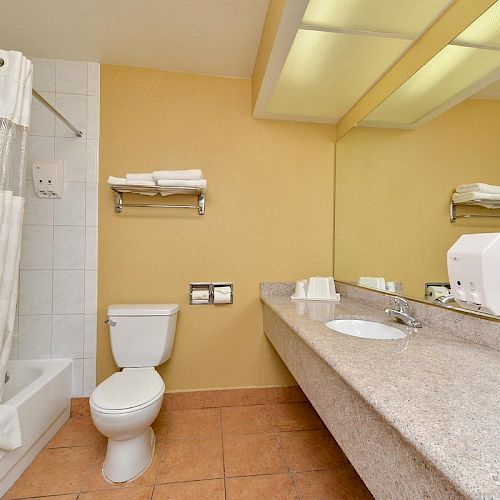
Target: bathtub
[{"x": 41, "y": 391}]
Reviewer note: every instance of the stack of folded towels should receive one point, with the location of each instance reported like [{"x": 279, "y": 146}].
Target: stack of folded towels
[
  {"x": 161, "y": 178},
  {"x": 488, "y": 194}
]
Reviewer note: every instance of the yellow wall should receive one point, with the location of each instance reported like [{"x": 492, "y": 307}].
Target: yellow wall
[
  {"x": 269, "y": 217},
  {"x": 393, "y": 190}
]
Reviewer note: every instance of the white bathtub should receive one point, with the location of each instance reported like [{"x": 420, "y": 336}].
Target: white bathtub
[{"x": 40, "y": 389}]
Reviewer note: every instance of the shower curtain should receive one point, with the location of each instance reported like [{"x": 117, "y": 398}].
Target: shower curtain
[{"x": 16, "y": 74}]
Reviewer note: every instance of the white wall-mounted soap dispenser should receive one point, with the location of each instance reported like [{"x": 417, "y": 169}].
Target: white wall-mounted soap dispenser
[{"x": 48, "y": 178}]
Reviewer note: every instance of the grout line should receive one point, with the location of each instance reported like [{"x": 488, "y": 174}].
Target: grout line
[{"x": 223, "y": 458}]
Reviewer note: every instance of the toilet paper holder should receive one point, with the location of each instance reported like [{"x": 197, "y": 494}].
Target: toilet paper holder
[{"x": 204, "y": 293}]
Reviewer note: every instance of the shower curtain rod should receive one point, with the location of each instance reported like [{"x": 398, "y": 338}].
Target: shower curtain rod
[{"x": 51, "y": 108}]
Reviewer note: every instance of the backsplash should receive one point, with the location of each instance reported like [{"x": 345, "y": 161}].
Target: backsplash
[{"x": 58, "y": 278}]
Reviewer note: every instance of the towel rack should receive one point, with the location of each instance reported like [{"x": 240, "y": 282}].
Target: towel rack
[
  {"x": 453, "y": 210},
  {"x": 119, "y": 190}
]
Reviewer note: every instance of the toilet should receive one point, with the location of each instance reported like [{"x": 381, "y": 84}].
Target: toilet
[{"x": 124, "y": 406}]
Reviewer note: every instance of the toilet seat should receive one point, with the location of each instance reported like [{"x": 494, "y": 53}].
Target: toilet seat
[{"x": 128, "y": 391}]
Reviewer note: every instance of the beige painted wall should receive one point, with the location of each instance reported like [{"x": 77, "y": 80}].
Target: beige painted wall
[
  {"x": 269, "y": 217},
  {"x": 393, "y": 191}
]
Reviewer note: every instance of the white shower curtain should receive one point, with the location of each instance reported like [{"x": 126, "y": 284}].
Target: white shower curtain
[{"x": 16, "y": 75}]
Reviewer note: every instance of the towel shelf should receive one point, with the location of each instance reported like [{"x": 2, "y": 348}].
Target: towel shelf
[
  {"x": 119, "y": 190},
  {"x": 453, "y": 210}
]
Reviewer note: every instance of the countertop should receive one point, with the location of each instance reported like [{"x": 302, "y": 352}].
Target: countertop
[{"x": 441, "y": 393}]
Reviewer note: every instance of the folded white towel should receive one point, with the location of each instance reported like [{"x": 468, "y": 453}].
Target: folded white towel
[
  {"x": 116, "y": 181},
  {"x": 141, "y": 183},
  {"x": 193, "y": 174},
  {"x": 199, "y": 184},
  {"x": 140, "y": 177},
  {"x": 478, "y": 187},
  {"x": 10, "y": 429},
  {"x": 476, "y": 195}
]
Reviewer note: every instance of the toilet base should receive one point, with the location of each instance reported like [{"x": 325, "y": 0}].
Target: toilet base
[{"x": 127, "y": 459}]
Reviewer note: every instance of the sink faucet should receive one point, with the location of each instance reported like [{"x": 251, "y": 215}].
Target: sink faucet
[{"x": 402, "y": 314}]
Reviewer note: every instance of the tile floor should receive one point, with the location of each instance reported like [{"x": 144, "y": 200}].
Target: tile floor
[{"x": 259, "y": 451}]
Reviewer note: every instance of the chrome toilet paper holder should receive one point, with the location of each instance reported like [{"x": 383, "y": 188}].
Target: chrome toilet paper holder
[{"x": 209, "y": 289}]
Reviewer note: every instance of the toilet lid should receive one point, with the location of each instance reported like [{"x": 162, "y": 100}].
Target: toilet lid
[{"x": 128, "y": 389}]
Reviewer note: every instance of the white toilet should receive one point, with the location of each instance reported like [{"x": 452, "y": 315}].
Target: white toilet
[{"x": 124, "y": 406}]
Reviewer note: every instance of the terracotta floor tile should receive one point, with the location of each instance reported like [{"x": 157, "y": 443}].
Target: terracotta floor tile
[
  {"x": 275, "y": 487},
  {"x": 95, "y": 480},
  {"x": 195, "y": 490},
  {"x": 295, "y": 417},
  {"x": 55, "y": 471},
  {"x": 311, "y": 450},
  {"x": 200, "y": 423},
  {"x": 246, "y": 419},
  {"x": 134, "y": 493},
  {"x": 252, "y": 454},
  {"x": 191, "y": 460},
  {"x": 77, "y": 432},
  {"x": 338, "y": 484},
  {"x": 56, "y": 497}
]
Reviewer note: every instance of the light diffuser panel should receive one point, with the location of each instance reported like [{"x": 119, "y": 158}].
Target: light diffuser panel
[
  {"x": 447, "y": 75},
  {"x": 408, "y": 17},
  {"x": 326, "y": 73}
]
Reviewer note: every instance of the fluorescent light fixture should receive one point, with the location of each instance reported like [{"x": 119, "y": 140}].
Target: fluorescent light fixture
[
  {"x": 408, "y": 17},
  {"x": 452, "y": 75},
  {"x": 326, "y": 73}
]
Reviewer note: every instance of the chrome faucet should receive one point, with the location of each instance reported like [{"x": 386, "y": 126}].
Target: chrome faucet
[{"x": 403, "y": 313}]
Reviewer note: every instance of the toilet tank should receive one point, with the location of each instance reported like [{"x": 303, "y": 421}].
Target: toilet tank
[{"x": 142, "y": 335}]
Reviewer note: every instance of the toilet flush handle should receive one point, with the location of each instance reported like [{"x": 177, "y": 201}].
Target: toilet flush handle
[{"x": 110, "y": 322}]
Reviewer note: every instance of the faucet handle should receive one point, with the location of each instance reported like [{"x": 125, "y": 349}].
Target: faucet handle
[{"x": 402, "y": 303}]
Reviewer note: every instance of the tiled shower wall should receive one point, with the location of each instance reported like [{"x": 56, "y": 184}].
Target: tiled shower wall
[{"x": 58, "y": 277}]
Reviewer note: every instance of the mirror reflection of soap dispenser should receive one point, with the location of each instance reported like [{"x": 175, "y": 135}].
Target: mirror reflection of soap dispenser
[{"x": 48, "y": 178}]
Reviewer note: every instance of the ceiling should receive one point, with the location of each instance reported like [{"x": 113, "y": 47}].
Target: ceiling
[{"x": 214, "y": 37}]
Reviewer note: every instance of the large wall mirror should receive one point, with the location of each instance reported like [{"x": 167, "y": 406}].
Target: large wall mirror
[{"x": 396, "y": 172}]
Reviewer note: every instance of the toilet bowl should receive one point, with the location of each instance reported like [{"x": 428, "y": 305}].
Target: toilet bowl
[{"x": 124, "y": 406}]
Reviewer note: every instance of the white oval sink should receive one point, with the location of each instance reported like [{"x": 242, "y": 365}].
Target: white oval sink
[{"x": 365, "y": 329}]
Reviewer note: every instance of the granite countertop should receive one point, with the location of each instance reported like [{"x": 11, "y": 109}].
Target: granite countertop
[{"x": 440, "y": 392}]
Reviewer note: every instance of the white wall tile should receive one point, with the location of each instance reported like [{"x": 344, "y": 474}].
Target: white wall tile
[
  {"x": 67, "y": 335},
  {"x": 70, "y": 209},
  {"x": 61, "y": 327},
  {"x": 88, "y": 376},
  {"x": 39, "y": 148},
  {"x": 69, "y": 247},
  {"x": 35, "y": 336},
  {"x": 69, "y": 292},
  {"x": 93, "y": 117},
  {"x": 90, "y": 336},
  {"x": 42, "y": 121},
  {"x": 74, "y": 108},
  {"x": 38, "y": 211},
  {"x": 90, "y": 292},
  {"x": 94, "y": 78},
  {"x": 71, "y": 77},
  {"x": 35, "y": 292},
  {"x": 74, "y": 153},
  {"x": 91, "y": 248},
  {"x": 44, "y": 74},
  {"x": 77, "y": 389},
  {"x": 92, "y": 160},
  {"x": 36, "y": 247},
  {"x": 91, "y": 204}
]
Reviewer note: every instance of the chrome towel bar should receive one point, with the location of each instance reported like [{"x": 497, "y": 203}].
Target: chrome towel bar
[{"x": 119, "y": 190}]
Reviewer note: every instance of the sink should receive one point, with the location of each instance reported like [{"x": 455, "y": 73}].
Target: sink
[{"x": 365, "y": 329}]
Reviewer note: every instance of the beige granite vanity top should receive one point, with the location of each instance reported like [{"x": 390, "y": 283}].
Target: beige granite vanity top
[{"x": 440, "y": 392}]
